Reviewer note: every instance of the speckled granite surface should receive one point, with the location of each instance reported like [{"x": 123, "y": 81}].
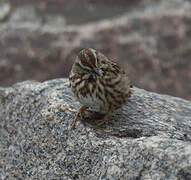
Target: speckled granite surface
[{"x": 148, "y": 138}]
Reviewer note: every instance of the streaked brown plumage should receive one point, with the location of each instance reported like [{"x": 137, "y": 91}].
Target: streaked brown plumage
[{"x": 98, "y": 83}]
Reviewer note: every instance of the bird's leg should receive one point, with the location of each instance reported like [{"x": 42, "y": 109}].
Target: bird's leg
[
  {"x": 79, "y": 113},
  {"x": 105, "y": 120}
]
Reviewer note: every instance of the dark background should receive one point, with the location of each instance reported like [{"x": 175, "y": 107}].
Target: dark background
[{"x": 150, "y": 39}]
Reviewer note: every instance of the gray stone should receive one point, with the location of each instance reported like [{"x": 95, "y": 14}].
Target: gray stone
[
  {"x": 5, "y": 9},
  {"x": 148, "y": 138}
]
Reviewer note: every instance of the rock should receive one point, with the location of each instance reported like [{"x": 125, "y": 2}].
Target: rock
[
  {"x": 5, "y": 9},
  {"x": 148, "y": 138},
  {"x": 150, "y": 39}
]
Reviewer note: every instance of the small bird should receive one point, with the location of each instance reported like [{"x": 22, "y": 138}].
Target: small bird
[{"x": 98, "y": 84}]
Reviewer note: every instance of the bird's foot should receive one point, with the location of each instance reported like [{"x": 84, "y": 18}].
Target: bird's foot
[{"x": 79, "y": 114}]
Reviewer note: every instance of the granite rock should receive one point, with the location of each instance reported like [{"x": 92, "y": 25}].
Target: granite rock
[{"x": 147, "y": 138}]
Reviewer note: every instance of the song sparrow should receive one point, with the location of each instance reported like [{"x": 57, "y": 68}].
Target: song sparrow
[{"x": 98, "y": 83}]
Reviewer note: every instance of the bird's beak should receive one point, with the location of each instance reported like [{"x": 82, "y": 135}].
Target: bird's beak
[{"x": 97, "y": 71}]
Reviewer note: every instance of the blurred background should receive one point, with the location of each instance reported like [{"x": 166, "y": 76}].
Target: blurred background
[{"x": 150, "y": 39}]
